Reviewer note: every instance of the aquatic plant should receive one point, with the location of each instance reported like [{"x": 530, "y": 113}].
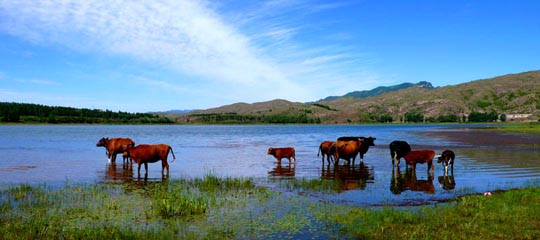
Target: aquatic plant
[{"x": 218, "y": 208}]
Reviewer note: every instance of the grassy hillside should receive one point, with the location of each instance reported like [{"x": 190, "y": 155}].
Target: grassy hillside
[{"x": 480, "y": 100}]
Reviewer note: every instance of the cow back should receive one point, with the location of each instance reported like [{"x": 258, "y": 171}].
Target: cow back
[
  {"x": 347, "y": 149},
  {"x": 419, "y": 156},
  {"x": 118, "y": 145}
]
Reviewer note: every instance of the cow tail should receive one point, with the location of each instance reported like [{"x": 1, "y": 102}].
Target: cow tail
[
  {"x": 319, "y": 151},
  {"x": 174, "y": 158}
]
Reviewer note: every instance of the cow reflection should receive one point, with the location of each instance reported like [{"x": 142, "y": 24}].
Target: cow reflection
[
  {"x": 119, "y": 172},
  {"x": 349, "y": 177},
  {"x": 409, "y": 181},
  {"x": 283, "y": 171},
  {"x": 447, "y": 181}
]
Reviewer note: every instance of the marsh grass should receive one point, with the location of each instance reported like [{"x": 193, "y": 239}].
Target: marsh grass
[
  {"x": 317, "y": 185},
  {"x": 225, "y": 208}
]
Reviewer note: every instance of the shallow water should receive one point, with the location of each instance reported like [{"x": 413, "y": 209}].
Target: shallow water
[{"x": 58, "y": 154}]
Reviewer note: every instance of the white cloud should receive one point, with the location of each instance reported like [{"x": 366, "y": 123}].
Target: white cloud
[{"x": 190, "y": 36}]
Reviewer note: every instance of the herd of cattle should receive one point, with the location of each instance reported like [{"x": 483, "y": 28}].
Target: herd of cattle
[{"x": 346, "y": 148}]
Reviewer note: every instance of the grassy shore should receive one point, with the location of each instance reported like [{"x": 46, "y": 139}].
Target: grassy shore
[
  {"x": 231, "y": 208},
  {"x": 530, "y": 127}
]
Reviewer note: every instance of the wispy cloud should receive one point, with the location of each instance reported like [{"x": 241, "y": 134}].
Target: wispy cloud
[{"x": 258, "y": 52}]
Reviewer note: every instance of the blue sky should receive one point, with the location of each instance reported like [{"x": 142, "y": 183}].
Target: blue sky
[{"x": 141, "y": 56}]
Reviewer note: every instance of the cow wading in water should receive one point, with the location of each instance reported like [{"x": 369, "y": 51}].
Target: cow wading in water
[
  {"x": 115, "y": 146},
  {"x": 327, "y": 148},
  {"x": 447, "y": 159},
  {"x": 286, "y": 152},
  {"x": 349, "y": 147},
  {"x": 400, "y": 149},
  {"x": 150, "y": 153}
]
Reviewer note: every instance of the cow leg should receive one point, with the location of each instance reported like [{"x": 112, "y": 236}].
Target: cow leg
[
  {"x": 164, "y": 165},
  {"x": 146, "y": 168},
  {"x": 430, "y": 165},
  {"x": 139, "y": 169},
  {"x": 113, "y": 157}
]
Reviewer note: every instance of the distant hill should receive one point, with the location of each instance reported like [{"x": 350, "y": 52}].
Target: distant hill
[
  {"x": 480, "y": 100},
  {"x": 381, "y": 90}
]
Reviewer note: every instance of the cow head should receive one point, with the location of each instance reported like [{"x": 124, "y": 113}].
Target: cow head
[
  {"x": 103, "y": 142},
  {"x": 270, "y": 151},
  {"x": 369, "y": 141}
]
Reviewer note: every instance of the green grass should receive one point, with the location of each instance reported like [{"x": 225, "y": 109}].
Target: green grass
[
  {"x": 231, "y": 208},
  {"x": 531, "y": 127}
]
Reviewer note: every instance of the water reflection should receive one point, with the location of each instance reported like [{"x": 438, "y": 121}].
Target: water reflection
[
  {"x": 119, "y": 172},
  {"x": 123, "y": 173},
  {"x": 283, "y": 171},
  {"x": 409, "y": 181},
  {"x": 447, "y": 181},
  {"x": 349, "y": 177}
]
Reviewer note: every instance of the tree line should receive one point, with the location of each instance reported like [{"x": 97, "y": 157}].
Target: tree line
[
  {"x": 36, "y": 113},
  {"x": 234, "y": 118}
]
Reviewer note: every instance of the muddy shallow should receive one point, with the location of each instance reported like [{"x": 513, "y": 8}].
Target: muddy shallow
[{"x": 486, "y": 161}]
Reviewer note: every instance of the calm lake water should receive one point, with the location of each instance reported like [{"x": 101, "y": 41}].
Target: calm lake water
[{"x": 56, "y": 155}]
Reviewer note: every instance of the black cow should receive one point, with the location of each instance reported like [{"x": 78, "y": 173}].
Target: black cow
[
  {"x": 447, "y": 159},
  {"x": 398, "y": 149}
]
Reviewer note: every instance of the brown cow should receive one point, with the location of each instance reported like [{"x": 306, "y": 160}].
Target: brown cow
[
  {"x": 150, "y": 153},
  {"x": 279, "y": 153},
  {"x": 115, "y": 146},
  {"x": 347, "y": 150},
  {"x": 349, "y": 147},
  {"x": 420, "y": 156},
  {"x": 327, "y": 148}
]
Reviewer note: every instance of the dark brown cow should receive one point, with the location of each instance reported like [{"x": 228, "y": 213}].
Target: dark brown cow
[
  {"x": 115, "y": 146},
  {"x": 447, "y": 159},
  {"x": 327, "y": 148},
  {"x": 150, "y": 153},
  {"x": 420, "y": 156},
  {"x": 279, "y": 153}
]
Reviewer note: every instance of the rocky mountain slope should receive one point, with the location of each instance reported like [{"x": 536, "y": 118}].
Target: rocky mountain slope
[{"x": 508, "y": 94}]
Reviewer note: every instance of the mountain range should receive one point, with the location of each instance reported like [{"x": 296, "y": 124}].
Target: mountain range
[
  {"x": 507, "y": 94},
  {"x": 380, "y": 90}
]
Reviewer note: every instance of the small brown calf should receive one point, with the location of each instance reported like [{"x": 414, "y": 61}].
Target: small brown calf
[{"x": 279, "y": 153}]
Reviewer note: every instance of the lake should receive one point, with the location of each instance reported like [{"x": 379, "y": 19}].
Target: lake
[{"x": 58, "y": 154}]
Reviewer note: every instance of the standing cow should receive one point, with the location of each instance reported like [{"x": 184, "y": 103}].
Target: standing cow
[
  {"x": 447, "y": 159},
  {"x": 398, "y": 149},
  {"x": 420, "y": 156},
  {"x": 349, "y": 147},
  {"x": 115, "y": 146},
  {"x": 150, "y": 153},
  {"x": 286, "y": 152},
  {"x": 327, "y": 148}
]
